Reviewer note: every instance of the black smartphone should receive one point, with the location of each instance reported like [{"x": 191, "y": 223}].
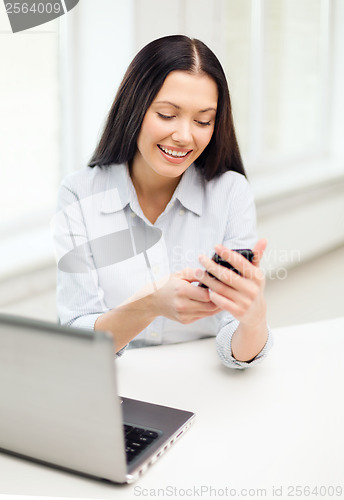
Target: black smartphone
[{"x": 246, "y": 252}]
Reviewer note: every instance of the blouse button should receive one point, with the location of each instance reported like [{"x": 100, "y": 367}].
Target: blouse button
[{"x": 181, "y": 212}]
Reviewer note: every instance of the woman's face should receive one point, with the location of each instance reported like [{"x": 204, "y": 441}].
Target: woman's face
[{"x": 178, "y": 125}]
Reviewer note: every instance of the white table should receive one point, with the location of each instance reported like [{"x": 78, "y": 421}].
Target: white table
[{"x": 267, "y": 429}]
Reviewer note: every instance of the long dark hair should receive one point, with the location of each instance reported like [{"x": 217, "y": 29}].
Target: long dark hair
[{"x": 141, "y": 83}]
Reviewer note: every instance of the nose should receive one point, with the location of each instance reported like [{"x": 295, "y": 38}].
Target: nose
[{"x": 182, "y": 133}]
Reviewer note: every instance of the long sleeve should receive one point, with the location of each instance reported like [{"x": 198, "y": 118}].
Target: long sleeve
[
  {"x": 80, "y": 300},
  {"x": 240, "y": 233},
  {"x": 224, "y": 345}
]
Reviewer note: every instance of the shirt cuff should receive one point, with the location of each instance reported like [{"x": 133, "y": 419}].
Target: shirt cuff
[
  {"x": 224, "y": 347},
  {"x": 121, "y": 351},
  {"x": 87, "y": 322}
]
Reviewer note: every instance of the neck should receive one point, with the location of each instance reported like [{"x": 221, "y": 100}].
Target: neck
[{"x": 150, "y": 185}]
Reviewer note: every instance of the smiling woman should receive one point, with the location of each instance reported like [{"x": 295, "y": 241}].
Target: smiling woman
[
  {"x": 167, "y": 173},
  {"x": 175, "y": 131},
  {"x": 144, "y": 79}
]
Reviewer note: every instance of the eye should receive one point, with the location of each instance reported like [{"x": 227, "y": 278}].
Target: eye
[
  {"x": 165, "y": 117},
  {"x": 203, "y": 124}
]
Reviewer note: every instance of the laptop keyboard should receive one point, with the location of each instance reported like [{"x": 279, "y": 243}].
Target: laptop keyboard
[{"x": 136, "y": 440}]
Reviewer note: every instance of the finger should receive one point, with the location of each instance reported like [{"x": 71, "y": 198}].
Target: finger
[
  {"x": 189, "y": 274},
  {"x": 204, "y": 278},
  {"x": 222, "y": 273},
  {"x": 224, "y": 303},
  {"x": 207, "y": 308},
  {"x": 200, "y": 309},
  {"x": 198, "y": 294},
  {"x": 244, "y": 290},
  {"x": 259, "y": 250},
  {"x": 219, "y": 279},
  {"x": 205, "y": 314}
]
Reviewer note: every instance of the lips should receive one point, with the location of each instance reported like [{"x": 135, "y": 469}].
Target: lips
[{"x": 173, "y": 152}]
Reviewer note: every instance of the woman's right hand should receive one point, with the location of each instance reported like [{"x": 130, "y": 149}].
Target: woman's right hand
[
  {"x": 179, "y": 300},
  {"x": 173, "y": 297}
]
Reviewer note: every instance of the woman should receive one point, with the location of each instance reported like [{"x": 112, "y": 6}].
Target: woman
[{"x": 165, "y": 189}]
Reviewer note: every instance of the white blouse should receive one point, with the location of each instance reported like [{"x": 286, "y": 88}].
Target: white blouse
[{"x": 107, "y": 250}]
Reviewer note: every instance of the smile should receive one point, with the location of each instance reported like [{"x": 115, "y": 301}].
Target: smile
[{"x": 173, "y": 152}]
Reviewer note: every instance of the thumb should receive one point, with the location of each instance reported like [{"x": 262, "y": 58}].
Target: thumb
[
  {"x": 190, "y": 274},
  {"x": 258, "y": 251}
]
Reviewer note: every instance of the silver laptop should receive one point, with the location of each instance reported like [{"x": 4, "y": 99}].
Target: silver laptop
[{"x": 59, "y": 404}]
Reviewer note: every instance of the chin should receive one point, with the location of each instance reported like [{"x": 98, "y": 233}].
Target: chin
[{"x": 173, "y": 172}]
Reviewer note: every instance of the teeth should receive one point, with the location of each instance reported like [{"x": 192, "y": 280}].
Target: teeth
[{"x": 173, "y": 153}]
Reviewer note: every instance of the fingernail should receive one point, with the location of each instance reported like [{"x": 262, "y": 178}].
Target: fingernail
[{"x": 198, "y": 273}]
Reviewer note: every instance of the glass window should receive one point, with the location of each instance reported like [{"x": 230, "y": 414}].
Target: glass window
[
  {"x": 277, "y": 62},
  {"x": 236, "y": 62},
  {"x": 293, "y": 90},
  {"x": 29, "y": 123}
]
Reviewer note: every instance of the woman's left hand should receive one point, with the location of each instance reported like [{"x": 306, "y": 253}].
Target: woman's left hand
[{"x": 241, "y": 295}]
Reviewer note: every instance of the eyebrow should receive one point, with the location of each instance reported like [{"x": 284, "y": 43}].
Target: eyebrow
[{"x": 178, "y": 107}]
